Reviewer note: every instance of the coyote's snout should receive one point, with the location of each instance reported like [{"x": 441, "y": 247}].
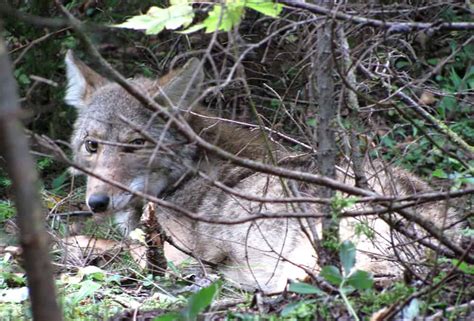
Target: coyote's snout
[{"x": 115, "y": 138}]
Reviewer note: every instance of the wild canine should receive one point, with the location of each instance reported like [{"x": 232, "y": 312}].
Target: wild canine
[{"x": 261, "y": 253}]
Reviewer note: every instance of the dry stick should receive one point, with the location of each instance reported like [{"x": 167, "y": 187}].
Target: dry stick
[
  {"x": 439, "y": 315},
  {"x": 33, "y": 237},
  {"x": 183, "y": 127},
  {"x": 392, "y": 27},
  {"x": 357, "y": 157}
]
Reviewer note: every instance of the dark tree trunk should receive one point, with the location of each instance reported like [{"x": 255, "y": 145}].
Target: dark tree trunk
[
  {"x": 20, "y": 167},
  {"x": 323, "y": 67}
]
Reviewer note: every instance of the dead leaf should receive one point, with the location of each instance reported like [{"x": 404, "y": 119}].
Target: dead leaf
[
  {"x": 427, "y": 98},
  {"x": 379, "y": 315}
]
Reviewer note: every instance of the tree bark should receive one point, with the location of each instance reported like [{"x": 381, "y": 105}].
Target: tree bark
[
  {"x": 323, "y": 66},
  {"x": 20, "y": 167}
]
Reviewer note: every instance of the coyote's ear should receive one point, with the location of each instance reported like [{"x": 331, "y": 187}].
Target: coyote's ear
[
  {"x": 82, "y": 81},
  {"x": 181, "y": 87}
]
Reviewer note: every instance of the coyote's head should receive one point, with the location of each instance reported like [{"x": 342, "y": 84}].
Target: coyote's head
[{"x": 117, "y": 138}]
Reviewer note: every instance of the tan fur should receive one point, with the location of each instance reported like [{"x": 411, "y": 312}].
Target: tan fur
[{"x": 263, "y": 253}]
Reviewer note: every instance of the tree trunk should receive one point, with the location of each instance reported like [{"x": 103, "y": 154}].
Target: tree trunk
[
  {"x": 326, "y": 126},
  {"x": 20, "y": 167}
]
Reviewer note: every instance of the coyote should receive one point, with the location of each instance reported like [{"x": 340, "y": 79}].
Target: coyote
[{"x": 117, "y": 138}]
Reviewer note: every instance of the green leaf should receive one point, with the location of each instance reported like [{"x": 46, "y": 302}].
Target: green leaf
[
  {"x": 268, "y": 8},
  {"x": 311, "y": 121},
  {"x": 469, "y": 78},
  {"x": 293, "y": 309},
  {"x": 347, "y": 254},
  {"x": 92, "y": 272},
  {"x": 304, "y": 288},
  {"x": 433, "y": 61},
  {"x": 224, "y": 19},
  {"x": 192, "y": 29},
  {"x": 463, "y": 266},
  {"x": 200, "y": 301},
  {"x": 87, "y": 289},
  {"x": 361, "y": 280},
  {"x": 331, "y": 274},
  {"x": 141, "y": 22},
  {"x": 179, "y": 14},
  {"x": 399, "y": 64},
  {"x": 467, "y": 232},
  {"x": 289, "y": 308},
  {"x": 455, "y": 79},
  {"x": 439, "y": 173},
  {"x": 448, "y": 102},
  {"x": 59, "y": 181}
]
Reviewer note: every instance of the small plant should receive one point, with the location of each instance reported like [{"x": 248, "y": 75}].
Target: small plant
[
  {"x": 6, "y": 211},
  {"x": 8, "y": 277},
  {"x": 338, "y": 204},
  {"x": 303, "y": 309},
  {"x": 197, "y": 303},
  {"x": 350, "y": 279}
]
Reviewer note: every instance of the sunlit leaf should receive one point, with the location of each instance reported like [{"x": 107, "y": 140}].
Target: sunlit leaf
[
  {"x": 224, "y": 18},
  {"x": 268, "y": 8},
  {"x": 93, "y": 272},
  {"x": 193, "y": 28},
  {"x": 156, "y": 19},
  {"x": 141, "y": 22}
]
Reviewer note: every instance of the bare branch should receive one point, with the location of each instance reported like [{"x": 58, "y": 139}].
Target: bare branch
[{"x": 391, "y": 27}]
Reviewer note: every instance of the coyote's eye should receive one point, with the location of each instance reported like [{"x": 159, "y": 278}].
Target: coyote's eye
[
  {"x": 134, "y": 145},
  {"x": 138, "y": 141},
  {"x": 91, "y": 146}
]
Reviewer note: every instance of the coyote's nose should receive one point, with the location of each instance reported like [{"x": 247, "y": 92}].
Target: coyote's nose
[{"x": 98, "y": 202}]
